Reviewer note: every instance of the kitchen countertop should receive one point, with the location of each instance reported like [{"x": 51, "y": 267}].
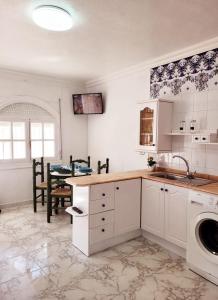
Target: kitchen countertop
[
  {"x": 211, "y": 188},
  {"x": 105, "y": 178}
]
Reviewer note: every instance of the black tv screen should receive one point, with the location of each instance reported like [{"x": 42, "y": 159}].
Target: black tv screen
[{"x": 90, "y": 103}]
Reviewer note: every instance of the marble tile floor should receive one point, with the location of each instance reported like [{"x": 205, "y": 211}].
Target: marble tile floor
[{"x": 37, "y": 261}]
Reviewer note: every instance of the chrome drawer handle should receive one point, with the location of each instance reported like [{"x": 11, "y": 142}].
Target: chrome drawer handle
[{"x": 195, "y": 202}]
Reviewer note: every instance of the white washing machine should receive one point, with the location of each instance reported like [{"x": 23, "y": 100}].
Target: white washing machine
[{"x": 202, "y": 245}]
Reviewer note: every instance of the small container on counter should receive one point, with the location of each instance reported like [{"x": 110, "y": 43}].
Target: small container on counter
[
  {"x": 194, "y": 126},
  {"x": 182, "y": 126}
]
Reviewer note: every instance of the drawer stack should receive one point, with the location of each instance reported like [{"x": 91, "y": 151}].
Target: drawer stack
[{"x": 101, "y": 210}]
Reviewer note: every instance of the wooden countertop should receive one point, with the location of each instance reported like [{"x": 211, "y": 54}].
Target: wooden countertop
[
  {"x": 104, "y": 178},
  {"x": 211, "y": 188}
]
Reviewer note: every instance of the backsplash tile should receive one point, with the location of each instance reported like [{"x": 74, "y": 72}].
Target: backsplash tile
[
  {"x": 202, "y": 106},
  {"x": 194, "y": 73}
]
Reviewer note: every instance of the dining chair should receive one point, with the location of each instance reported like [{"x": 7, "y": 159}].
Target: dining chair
[
  {"x": 57, "y": 191},
  {"x": 38, "y": 182},
  {"x": 103, "y": 166},
  {"x": 79, "y": 161}
]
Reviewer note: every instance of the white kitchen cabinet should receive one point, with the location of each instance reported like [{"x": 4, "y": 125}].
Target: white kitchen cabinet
[
  {"x": 176, "y": 214},
  {"x": 164, "y": 211},
  {"x": 127, "y": 205},
  {"x": 111, "y": 214},
  {"x": 154, "y": 121},
  {"x": 152, "y": 214}
]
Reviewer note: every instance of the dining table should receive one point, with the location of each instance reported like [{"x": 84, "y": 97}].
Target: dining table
[{"x": 62, "y": 171}]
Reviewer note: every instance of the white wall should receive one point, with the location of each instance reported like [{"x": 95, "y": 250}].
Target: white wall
[
  {"x": 114, "y": 133},
  {"x": 16, "y": 182}
]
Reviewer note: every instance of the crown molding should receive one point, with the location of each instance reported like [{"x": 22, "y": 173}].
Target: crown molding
[
  {"x": 164, "y": 59},
  {"x": 25, "y": 76}
]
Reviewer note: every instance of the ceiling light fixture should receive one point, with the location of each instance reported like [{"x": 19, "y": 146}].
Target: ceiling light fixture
[{"x": 52, "y": 17}]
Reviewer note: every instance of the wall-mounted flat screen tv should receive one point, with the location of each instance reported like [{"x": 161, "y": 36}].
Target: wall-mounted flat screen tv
[{"x": 87, "y": 104}]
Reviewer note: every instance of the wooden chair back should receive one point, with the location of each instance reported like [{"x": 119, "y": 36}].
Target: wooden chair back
[
  {"x": 79, "y": 161},
  {"x": 103, "y": 166},
  {"x": 37, "y": 172},
  {"x": 56, "y": 188},
  {"x": 53, "y": 178}
]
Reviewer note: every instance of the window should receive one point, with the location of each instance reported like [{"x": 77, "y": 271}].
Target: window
[
  {"x": 12, "y": 140},
  {"x": 27, "y": 131},
  {"x": 42, "y": 140},
  {"x": 19, "y": 143}
]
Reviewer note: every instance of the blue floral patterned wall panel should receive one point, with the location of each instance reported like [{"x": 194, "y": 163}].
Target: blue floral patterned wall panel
[{"x": 194, "y": 73}]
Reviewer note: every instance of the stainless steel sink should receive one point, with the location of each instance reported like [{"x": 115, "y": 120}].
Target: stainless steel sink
[
  {"x": 168, "y": 176},
  {"x": 184, "y": 179},
  {"x": 195, "y": 181}
]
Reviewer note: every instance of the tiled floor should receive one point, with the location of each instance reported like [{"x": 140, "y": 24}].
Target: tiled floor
[{"x": 37, "y": 261}]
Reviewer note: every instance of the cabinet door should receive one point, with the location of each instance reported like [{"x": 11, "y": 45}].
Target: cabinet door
[
  {"x": 148, "y": 125},
  {"x": 176, "y": 214},
  {"x": 127, "y": 205},
  {"x": 153, "y": 207}
]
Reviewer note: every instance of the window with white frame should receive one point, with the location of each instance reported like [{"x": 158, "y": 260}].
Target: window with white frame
[
  {"x": 12, "y": 140},
  {"x": 26, "y": 137},
  {"x": 42, "y": 139}
]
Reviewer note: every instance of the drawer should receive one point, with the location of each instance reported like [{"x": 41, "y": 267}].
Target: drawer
[
  {"x": 101, "y": 233},
  {"x": 101, "y": 205},
  {"x": 101, "y": 219},
  {"x": 105, "y": 190}
]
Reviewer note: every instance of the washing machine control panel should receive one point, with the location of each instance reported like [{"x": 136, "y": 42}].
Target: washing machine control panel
[{"x": 204, "y": 200}]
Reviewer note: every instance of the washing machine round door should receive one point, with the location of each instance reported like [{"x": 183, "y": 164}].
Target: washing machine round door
[{"x": 206, "y": 234}]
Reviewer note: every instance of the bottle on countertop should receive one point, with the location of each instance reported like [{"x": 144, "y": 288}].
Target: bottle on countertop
[
  {"x": 182, "y": 126},
  {"x": 194, "y": 125}
]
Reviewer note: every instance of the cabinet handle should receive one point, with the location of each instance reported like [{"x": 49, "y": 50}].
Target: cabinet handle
[
  {"x": 166, "y": 190},
  {"x": 103, "y": 194},
  {"x": 195, "y": 202},
  {"x": 161, "y": 189},
  {"x": 102, "y": 230},
  {"x": 103, "y": 205},
  {"x": 203, "y": 138},
  {"x": 153, "y": 144},
  {"x": 117, "y": 188},
  {"x": 103, "y": 219},
  {"x": 196, "y": 138}
]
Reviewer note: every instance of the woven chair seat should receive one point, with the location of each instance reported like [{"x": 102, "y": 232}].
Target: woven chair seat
[
  {"x": 42, "y": 185},
  {"x": 61, "y": 192}
]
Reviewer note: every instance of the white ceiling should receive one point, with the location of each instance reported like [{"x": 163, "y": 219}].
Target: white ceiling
[{"x": 109, "y": 34}]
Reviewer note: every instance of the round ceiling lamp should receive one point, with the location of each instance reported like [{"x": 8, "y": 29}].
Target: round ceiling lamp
[{"x": 52, "y": 17}]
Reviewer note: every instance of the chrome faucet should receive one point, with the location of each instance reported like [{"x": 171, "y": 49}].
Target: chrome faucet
[{"x": 189, "y": 174}]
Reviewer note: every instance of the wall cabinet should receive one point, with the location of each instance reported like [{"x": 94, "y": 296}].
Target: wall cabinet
[
  {"x": 164, "y": 211},
  {"x": 155, "y": 121}
]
